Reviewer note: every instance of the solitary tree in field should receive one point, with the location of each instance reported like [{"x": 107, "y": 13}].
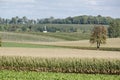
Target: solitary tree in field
[{"x": 98, "y": 35}]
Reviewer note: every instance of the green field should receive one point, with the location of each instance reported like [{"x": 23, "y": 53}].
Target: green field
[{"x": 21, "y": 75}]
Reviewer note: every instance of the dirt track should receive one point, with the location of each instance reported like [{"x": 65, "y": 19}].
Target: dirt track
[{"x": 58, "y": 52}]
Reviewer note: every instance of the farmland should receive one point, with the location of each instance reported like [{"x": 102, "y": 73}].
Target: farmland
[{"x": 59, "y": 40}]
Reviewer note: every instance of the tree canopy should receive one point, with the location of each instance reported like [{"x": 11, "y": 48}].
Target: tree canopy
[{"x": 98, "y": 35}]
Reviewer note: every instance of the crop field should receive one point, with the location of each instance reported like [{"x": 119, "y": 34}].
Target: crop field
[{"x": 20, "y": 75}]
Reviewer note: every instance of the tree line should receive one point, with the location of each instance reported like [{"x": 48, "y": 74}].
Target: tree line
[{"x": 69, "y": 20}]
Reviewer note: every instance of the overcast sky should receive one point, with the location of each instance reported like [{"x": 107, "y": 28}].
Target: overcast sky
[{"x": 59, "y": 8}]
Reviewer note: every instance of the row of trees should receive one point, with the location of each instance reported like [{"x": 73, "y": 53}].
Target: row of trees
[{"x": 69, "y": 20}]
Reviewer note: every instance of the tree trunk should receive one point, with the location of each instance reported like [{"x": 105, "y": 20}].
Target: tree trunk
[{"x": 98, "y": 45}]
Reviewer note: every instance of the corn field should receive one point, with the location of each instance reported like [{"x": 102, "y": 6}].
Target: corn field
[{"x": 64, "y": 65}]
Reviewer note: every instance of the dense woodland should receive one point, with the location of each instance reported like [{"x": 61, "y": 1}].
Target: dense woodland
[{"x": 17, "y": 24}]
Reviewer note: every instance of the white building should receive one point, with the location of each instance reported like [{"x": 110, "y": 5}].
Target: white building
[{"x": 45, "y": 29}]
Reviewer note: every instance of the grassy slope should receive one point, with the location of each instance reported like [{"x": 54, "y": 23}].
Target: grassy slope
[
  {"x": 14, "y": 75},
  {"x": 10, "y": 36}
]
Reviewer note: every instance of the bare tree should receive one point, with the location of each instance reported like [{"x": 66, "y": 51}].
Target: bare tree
[{"x": 98, "y": 35}]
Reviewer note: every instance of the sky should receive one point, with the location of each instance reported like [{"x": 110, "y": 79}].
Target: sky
[{"x": 58, "y": 8}]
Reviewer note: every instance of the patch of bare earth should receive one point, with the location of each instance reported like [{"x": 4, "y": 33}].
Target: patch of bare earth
[{"x": 58, "y": 52}]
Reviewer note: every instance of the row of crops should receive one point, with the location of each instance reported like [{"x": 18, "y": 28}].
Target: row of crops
[{"x": 65, "y": 65}]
